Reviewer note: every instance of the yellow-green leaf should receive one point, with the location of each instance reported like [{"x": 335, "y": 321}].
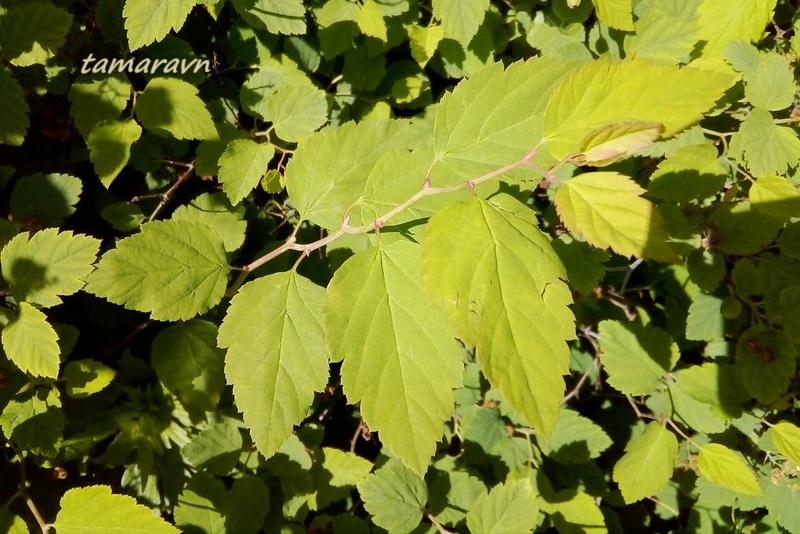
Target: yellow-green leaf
[
  {"x": 612, "y": 142},
  {"x": 787, "y": 438},
  {"x": 647, "y": 464},
  {"x": 723, "y": 467},
  {"x": 615, "y": 13}
]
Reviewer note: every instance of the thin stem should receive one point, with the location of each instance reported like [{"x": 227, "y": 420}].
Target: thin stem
[
  {"x": 128, "y": 337},
  {"x": 359, "y": 431},
  {"x": 438, "y": 525},
  {"x": 167, "y": 195},
  {"x": 23, "y": 492},
  {"x": 577, "y": 388},
  {"x": 346, "y": 229},
  {"x": 681, "y": 433}
]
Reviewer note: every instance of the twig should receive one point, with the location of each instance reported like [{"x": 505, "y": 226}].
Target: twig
[
  {"x": 23, "y": 492},
  {"x": 346, "y": 229},
  {"x": 128, "y": 337},
  {"x": 438, "y": 525},
  {"x": 359, "y": 431},
  {"x": 167, "y": 195},
  {"x": 576, "y": 389}
]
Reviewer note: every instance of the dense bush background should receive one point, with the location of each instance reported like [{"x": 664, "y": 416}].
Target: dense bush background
[{"x": 678, "y": 413}]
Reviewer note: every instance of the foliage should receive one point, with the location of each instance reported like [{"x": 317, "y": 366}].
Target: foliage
[{"x": 399, "y": 265}]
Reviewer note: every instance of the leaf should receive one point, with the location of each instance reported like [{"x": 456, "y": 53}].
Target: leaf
[
  {"x": 395, "y": 497},
  {"x": 692, "y": 172},
  {"x": 582, "y": 261},
  {"x": 86, "y": 377},
  {"x": 608, "y": 91},
  {"x": 719, "y": 24},
  {"x": 13, "y": 109},
  {"x": 199, "y": 505},
  {"x": 787, "y": 438},
  {"x": 775, "y": 196},
  {"x": 723, "y": 467},
  {"x": 110, "y": 147},
  {"x": 615, "y": 13},
  {"x": 94, "y": 509},
  {"x": 241, "y": 167},
  {"x": 765, "y": 147},
  {"x": 277, "y": 362},
  {"x": 173, "y": 270},
  {"x": 636, "y": 357},
  {"x": 287, "y": 17},
  {"x": 346, "y": 468},
  {"x": 509, "y": 507},
  {"x": 575, "y": 439},
  {"x": 214, "y": 210},
  {"x": 575, "y": 512},
  {"x": 370, "y": 20},
  {"x": 400, "y": 360},
  {"x": 765, "y": 360},
  {"x": 704, "y": 322},
  {"x": 147, "y": 21},
  {"x": 612, "y": 142},
  {"x": 48, "y": 266},
  {"x": 423, "y": 41},
  {"x": 782, "y": 501},
  {"x": 246, "y": 505},
  {"x": 171, "y": 106},
  {"x": 345, "y": 155},
  {"x": 771, "y": 85},
  {"x": 33, "y": 420},
  {"x": 608, "y": 210},
  {"x": 648, "y": 462},
  {"x": 12, "y": 523},
  {"x": 187, "y": 361},
  {"x": 271, "y": 75},
  {"x": 216, "y": 449},
  {"x": 31, "y": 343},
  {"x": 717, "y": 385},
  {"x": 706, "y": 269},
  {"x": 45, "y": 199},
  {"x": 460, "y": 20},
  {"x": 95, "y": 101},
  {"x": 665, "y": 31},
  {"x": 297, "y": 111},
  {"x": 502, "y": 291},
  {"x": 33, "y": 33},
  {"x": 739, "y": 229},
  {"x": 494, "y": 118}
]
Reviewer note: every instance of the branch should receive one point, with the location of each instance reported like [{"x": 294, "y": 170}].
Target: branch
[
  {"x": 22, "y": 491},
  {"x": 167, "y": 195},
  {"x": 346, "y": 229}
]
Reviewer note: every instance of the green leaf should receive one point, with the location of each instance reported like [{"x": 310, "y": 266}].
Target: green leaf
[
  {"x": 172, "y": 269},
  {"x": 33, "y": 33},
  {"x": 509, "y": 507},
  {"x": 86, "y": 377},
  {"x": 94, "y": 509},
  {"x": 345, "y": 155},
  {"x": 187, "y": 361},
  {"x": 147, "y": 21},
  {"x": 739, "y": 229},
  {"x": 782, "y": 502},
  {"x": 12, "y": 523},
  {"x": 636, "y": 357},
  {"x": 276, "y": 363},
  {"x": 704, "y": 322},
  {"x": 610, "y": 91},
  {"x": 691, "y": 412},
  {"x": 720, "y": 23},
  {"x": 13, "y": 109},
  {"x": 646, "y": 467},
  {"x": 765, "y": 147},
  {"x": 95, "y": 101},
  {"x": 241, "y": 167},
  {"x": 216, "y": 449},
  {"x": 199, "y": 505},
  {"x": 33, "y": 420},
  {"x": 171, "y": 106},
  {"x": 271, "y": 75},
  {"x": 612, "y": 142},
  {"x": 615, "y": 13},
  {"x": 287, "y": 17},
  {"x": 400, "y": 360},
  {"x": 297, "y": 111},
  {"x": 395, "y": 497},
  {"x": 460, "y": 20},
  {"x": 423, "y": 41},
  {"x": 692, "y": 172},
  {"x": 346, "y": 468},
  {"x": 775, "y": 196},
  {"x": 575, "y": 439},
  {"x": 31, "y": 343},
  {"x": 772, "y": 84},
  {"x": 110, "y": 147},
  {"x": 123, "y": 216},
  {"x": 502, "y": 291},
  {"x": 452, "y": 494},
  {"x": 706, "y": 269},
  {"x": 787, "y": 438},
  {"x": 246, "y": 505},
  {"x": 46, "y": 199},
  {"x": 666, "y": 31},
  {"x": 370, "y": 20},
  {"x": 214, "y": 210},
  {"x": 494, "y": 118},
  {"x": 582, "y": 261},
  {"x": 723, "y": 467},
  {"x": 48, "y": 266},
  {"x": 765, "y": 360},
  {"x": 717, "y": 385},
  {"x": 575, "y": 512},
  {"x": 608, "y": 210}
]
